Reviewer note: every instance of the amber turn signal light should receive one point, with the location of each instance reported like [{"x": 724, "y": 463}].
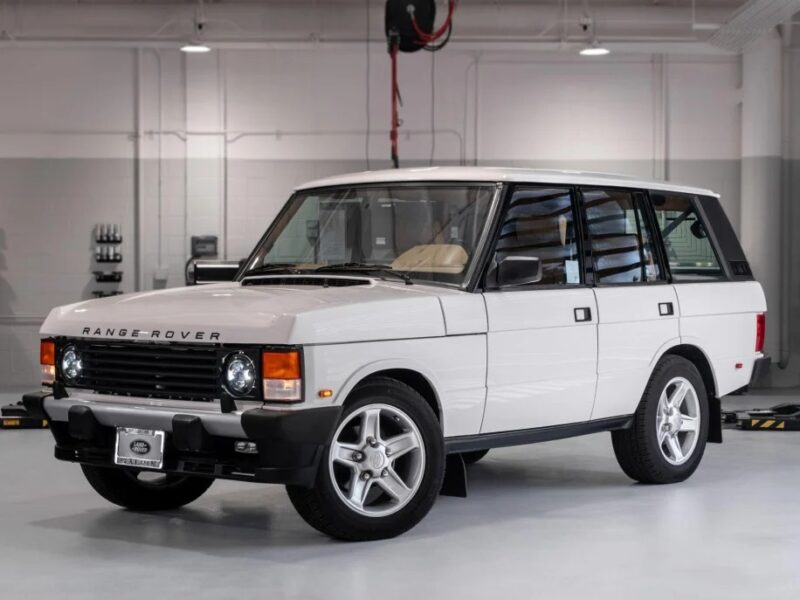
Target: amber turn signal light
[
  {"x": 47, "y": 359},
  {"x": 47, "y": 353},
  {"x": 281, "y": 365},
  {"x": 281, "y": 376}
]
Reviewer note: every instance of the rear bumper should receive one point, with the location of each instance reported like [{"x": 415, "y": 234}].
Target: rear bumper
[
  {"x": 199, "y": 442},
  {"x": 760, "y": 369}
]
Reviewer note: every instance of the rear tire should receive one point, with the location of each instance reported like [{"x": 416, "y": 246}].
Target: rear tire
[
  {"x": 666, "y": 441},
  {"x": 125, "y": 488},
  {"x": 388, "y": 440},
  {"x": 470, "y": 458}
]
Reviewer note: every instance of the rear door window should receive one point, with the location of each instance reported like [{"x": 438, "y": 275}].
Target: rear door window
[
  {"x": 689, "y": 251},
  {"x": 623, "y": 250}
]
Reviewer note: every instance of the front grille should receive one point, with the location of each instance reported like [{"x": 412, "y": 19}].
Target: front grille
[{"x": 181, "y": 372}]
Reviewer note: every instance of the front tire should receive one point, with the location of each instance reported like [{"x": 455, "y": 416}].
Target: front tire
[
  {"x": 382, "y": 470},
  {"x": 670, "y": 427},
  {"x": 145, "y": 490}
]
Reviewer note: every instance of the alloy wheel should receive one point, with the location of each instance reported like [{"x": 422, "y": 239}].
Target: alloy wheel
[
  {"x": 377, "y": 460},
  {"x": 678, "y": 421}
]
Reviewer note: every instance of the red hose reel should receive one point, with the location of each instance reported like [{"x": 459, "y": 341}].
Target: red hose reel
[{"x": 409, "y": 28}]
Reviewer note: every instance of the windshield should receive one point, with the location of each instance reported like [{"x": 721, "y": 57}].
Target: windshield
[{"x": 416, "y": 232}]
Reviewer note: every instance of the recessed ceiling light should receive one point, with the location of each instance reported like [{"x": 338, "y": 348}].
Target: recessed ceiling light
[
  {"x": 594, "y": 49},
  {"x": 195, "y": 48}
]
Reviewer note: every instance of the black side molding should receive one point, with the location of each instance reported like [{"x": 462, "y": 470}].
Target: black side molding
[{"x": 501, "y": 439}]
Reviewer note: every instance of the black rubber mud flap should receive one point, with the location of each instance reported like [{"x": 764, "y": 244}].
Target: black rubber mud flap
[
  {"x": 715, "y": 420},
  {"x": 455, "y": 477}
]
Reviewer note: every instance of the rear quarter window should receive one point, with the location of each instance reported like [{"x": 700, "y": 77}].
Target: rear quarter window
[{"x": 689, "y": 250}]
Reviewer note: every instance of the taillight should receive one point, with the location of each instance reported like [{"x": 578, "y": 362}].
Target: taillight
[{"x": 761, "y": 331}]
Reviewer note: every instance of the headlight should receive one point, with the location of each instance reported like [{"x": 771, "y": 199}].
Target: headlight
[
  {"x": 239, "y": 374},
  {"x": 71, "y": 364}
]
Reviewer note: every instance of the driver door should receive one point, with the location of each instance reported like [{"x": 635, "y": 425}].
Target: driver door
[{"x": 542, "y": 334}]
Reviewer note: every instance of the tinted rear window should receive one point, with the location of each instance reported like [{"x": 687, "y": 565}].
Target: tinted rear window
[{"x": 690, "y": 253}]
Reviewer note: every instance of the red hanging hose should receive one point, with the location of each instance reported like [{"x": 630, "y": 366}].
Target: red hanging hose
[
  {"x": 394, "y": 45},
  {"x": 429, "y": 38}
]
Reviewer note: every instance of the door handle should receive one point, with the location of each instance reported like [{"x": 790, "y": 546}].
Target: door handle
[
  {"x": 665, "y": 309},
  {"x": 583, "y": 314}
]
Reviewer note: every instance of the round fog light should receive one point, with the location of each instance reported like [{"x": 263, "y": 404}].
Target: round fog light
[
  {"x": 71, "y": 364},
  {"x": 240, "y": 374}
]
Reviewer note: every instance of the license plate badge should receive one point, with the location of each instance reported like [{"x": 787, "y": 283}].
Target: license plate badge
[{"x": 140, "y": 448}]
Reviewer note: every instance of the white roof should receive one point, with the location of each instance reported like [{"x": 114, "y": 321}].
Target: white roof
[{"x": 501, "y": 174}]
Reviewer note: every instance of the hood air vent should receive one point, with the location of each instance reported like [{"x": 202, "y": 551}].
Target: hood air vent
[{"x": 316, "y": 281}]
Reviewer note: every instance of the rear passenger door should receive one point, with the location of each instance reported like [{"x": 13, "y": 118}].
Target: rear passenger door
[
  {"x": 718, "y": 308},
  {"x": 637, "y": 309},
  {"x": 542, "y": 336}
]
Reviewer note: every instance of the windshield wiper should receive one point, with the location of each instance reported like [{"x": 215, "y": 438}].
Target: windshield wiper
[{"x": 365, "y": 268}]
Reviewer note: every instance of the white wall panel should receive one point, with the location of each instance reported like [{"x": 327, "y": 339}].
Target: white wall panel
[
  {"x": 704, "y": 109},
  {"x": 566, "y": 110}
]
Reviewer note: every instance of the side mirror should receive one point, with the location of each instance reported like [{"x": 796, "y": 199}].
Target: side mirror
[{"x": 518, "y": 270}]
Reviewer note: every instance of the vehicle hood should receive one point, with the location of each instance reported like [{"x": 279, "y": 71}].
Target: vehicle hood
[{"x": 259, "y": 314}]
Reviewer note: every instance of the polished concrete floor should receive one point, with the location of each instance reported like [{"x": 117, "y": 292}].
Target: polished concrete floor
[{"x": 556, "y": 520}]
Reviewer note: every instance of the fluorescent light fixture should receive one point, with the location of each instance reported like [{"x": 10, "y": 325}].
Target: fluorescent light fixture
[
  {"x": 195, "y": 48},
  {"x": 594, "y": 49}
]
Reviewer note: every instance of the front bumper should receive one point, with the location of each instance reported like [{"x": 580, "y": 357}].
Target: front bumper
[{"x": 199, "y": 441}]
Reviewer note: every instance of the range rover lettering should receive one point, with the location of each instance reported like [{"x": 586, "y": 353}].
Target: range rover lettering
[{"x": 392, "y": 326}]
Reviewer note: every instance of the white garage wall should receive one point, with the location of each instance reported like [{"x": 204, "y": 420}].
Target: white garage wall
[{"x": 68, "y": 150}]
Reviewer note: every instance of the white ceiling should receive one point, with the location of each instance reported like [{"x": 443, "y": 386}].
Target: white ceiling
[{"x": 485, "y": 21}]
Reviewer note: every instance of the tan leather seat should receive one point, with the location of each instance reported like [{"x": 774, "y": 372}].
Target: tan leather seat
[{"x": 432, "y": 258}]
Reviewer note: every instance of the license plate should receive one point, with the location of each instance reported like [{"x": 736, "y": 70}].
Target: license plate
[{"x": 142, "y": 448}]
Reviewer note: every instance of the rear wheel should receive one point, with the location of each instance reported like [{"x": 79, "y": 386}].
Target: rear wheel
[
  {"x": 670, "y": 427},
  {"x": 145, "y": 490},
  {"x": 471, "y": 458},
  {"x": 382, "y": 470}
]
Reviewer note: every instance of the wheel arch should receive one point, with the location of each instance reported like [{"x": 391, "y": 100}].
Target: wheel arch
[
  {"x": 699, "y": 359},
  {"x": 413, "y": 375}
]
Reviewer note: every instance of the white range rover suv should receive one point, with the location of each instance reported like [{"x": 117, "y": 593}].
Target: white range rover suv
[{"x": 391, "y": 327}]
